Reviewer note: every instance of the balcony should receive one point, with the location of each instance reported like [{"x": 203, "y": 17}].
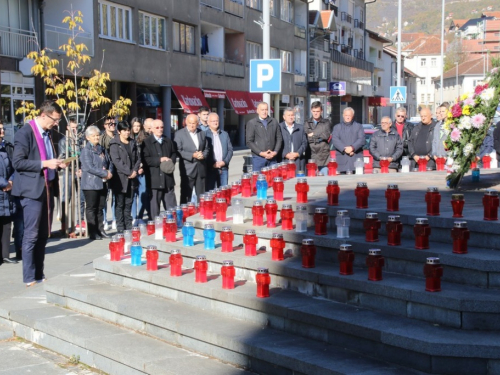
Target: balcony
[
  {"x": 300, "y": 31},
  {"x": 216, "y": 4},
  {"x": 56, "y": 36},
  {"x": 349, "y": 18},
  {"x": 234, "y": 69},
  {"x": 345, "y": 59},
  {"x": 234, "y": 7},
  {"x": 212, "y": 65},
  {"x": 299, "y": 79},
  {"x": 350, "y": 42},
  {"x": 335, "y": 9},
  {"x": 16, "y": 43},
  {"x": 344, "y": 48}
]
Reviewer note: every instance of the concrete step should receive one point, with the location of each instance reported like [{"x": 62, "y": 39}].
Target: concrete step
[
  {"x": 458, "y": 305},
  {"x": 232, "y": 333},
  {"x": 5, "y": 332},
  {"x": 478, "y": 268},
  {"x": 109, "y": 348}
]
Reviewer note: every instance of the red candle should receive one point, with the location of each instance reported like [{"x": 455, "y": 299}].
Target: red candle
[
  {"x": 372, "y": 225},
  {"x": 440, "y": 162},
  {"x": 460, "y": 235},
  {"x": 332, "y": 167},
  {"x": 333, "y": 191},
  {"x": 175, "y": 261},
  {"x": 227, "y": 271},
  {"x": 301, "y": 187},
  {"x": 170, "y": 230},
  {"x": 433, "y": 198},
  {"x": 311, "y": 168},
  {"x": 255, "y": 176},
  {"x": 136, "y": 234},
  {"x": 490, "y": 204},
  {"x": 278, "y": 187},
  {"x": 486, "y": 161},
  {"x": 320, "y": 221},
  {"x": 250, "y": 241},
  {"x": 392, "y": 195},
  {"x": 200, "y": 269},
  {"x": 362, "y": 193},
  {"x": 246, "y": 185},
  {"x": 151, "y": 227},
  {"x": 346, "y": 259},
  {"x": 220, "y": 209},
  {"x": 287, "y": 216},
  {"x": 227, "y": 238},
  {"x": 422, "y": 231},
  {"x": 457, "y": 204},
  {"x": 375, "y": 261},
  {"x": 384, "y": 165},
  {"x": 152, "y": 258},
  {"x": 277, "y": 246},
  {"x": 422, "y": 164},
  {"x": 263, "y": 281},
  {"x": 394, "y": 229},
  {"x": 308, "y": 251},
  {"x": 433, "y": 272},
  {"x": 114, "y": 249},
  {"x": 271, "y": 211},
  {"x": 291, "y": 168},
  {"x": 258, "y": 213}
]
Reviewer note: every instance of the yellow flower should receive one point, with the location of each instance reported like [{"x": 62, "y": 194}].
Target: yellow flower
[
  {"x": 450, "y": 115},
  {"x": 464, "y": 96},
  {"x": 466, "y": 110}
]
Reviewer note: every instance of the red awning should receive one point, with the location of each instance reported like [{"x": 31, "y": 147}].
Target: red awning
[
  {"x": 241, "y": 102},
  {"x": 255, "y": 98},
  {"x": 214, "y": 94},
  {"x": 190, "y": 98},
  {"x": 377, "y": 101}
]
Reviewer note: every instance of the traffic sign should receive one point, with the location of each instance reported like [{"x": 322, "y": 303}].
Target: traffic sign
[
  {"x": 338, "y": 88},
  {"x": 265, "y": 76},
  {"x": 398, "y": 94}
]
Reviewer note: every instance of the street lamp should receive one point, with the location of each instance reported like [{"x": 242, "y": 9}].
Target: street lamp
[{"x": 456, "y": 79}]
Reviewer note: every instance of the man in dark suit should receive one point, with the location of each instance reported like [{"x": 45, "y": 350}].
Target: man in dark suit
[
  {"x": 158, "y": 149},
  {"x": 263, "y": 138},
  {"x": 221, "y": 152},
  {"x": 35, "y": 184},
  {"x": 294, "y": 140},
  {"x": 193, "y": 151}
]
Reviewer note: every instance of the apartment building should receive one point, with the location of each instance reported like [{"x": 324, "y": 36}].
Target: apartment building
[
  {"x": 170, "y": 57},
  {"x": 337, "y": 46}
]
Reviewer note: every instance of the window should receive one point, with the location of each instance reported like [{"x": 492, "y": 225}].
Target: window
[
  {"x": 183, "y": 38},
  {"x": 361, "y": 15},
  {"x": 422, "y": 81},
  {"x": 254, "y": 51},
  {"x": 379, "y": 54},
  {"x": 275, "y": 53},
  {"x": 379, "y": 81},
  {"x": 256, "y": 4},
  {"x": 423, "y": 62},
  {"x": 428, "y": 98},
  {"x": 115, "y": 21},
  {"x": 433, "y": 61},
  {"x": 324, "y": 70},
  {"x": 422, "y": 98},
  {"x": 316, "y": 70},
  {"x": 287, "y": 10},
  {"x": 152, "y": 31},
  {"x": 286, "y": 62},
  {"x": 274, "y": 5}
]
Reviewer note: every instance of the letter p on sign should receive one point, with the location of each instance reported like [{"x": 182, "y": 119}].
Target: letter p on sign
[{"x": 265, "y": 76}]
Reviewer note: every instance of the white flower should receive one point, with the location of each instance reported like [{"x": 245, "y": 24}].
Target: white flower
[
  {"x": 468, "y": 149},
  {"x": 455, "y": 166},
  {"x": 465, "y": 123},
  {"x": 487, "y": 94}
]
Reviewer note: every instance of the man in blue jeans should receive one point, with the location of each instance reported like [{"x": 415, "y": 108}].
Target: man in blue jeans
[
  {"x": 263, "y": 138},
  {"x": 219, "y": 156}
]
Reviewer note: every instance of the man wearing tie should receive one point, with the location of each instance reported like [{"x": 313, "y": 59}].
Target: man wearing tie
[
  {"x": 192, "y": 150},
  {"x": 35, "y": 184}
]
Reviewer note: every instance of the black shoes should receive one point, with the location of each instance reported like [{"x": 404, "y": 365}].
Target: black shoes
[
  {"x": 96, "y": 237},
  {"x": 10, "y": 261},
  {"x": 103, "y": 234}
]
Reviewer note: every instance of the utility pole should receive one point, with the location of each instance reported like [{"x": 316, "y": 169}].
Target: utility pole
[
  {"x": 442, "y": 50},
  {"x": 398, "y": 82},
  {"x": 266, "y": 42}
]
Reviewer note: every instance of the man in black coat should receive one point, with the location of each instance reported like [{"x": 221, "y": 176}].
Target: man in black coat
[
  {"x": 35, "y": 184},
  {"x": 263, "y": 138},
  {"x": 318, "y": 130},
  {"x": 403, "y": 127},
  {"x": 193, "y": 151},
  {"x": 387, "y": 143},
  {"x": 420, "y": 143},
  {"x": 294, "y": 140},
  {"x": 158, "y": 149}
]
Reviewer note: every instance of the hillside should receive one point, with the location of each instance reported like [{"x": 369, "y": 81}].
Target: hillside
[{"x": 419, "y": 16}]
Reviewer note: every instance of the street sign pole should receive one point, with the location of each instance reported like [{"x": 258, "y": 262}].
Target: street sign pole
[
  {"x": 266, "y": 43},
  {"x": 398, "y": 82}
]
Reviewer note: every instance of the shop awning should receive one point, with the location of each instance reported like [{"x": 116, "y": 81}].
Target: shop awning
[
  {"x": 241, "y": 102},
  {"x": 378, "y": 101},
  {"x": 214, "y": 94},
  {"x": 190, "y": 98},
  {"x": 255, "y": 98}
]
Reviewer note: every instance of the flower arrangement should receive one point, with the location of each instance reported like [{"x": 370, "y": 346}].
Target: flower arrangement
[{"x": 467, "y": 125}]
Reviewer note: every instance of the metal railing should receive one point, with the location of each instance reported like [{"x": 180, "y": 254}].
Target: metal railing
[
  {"x": 16, "y": 43},
  {"x": 345, "y": 59},
  {"x": 300, "y": 31},
  {"x": 234, "y": 69},
  {"x": 216, "y": 4},
  {"x": 300, "y": 79},
  {"x": 212, "y": 65},
  {"x": 234, "y": 7},
  {"x": 361, "y": 25},
  {"x": 56, "y": 36}
]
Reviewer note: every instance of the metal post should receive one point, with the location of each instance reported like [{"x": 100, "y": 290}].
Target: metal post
[
  {"x": 398, "y": 83},
  {"x": 166, "y": 92},
  {"x": 442, "y": 50},
  {"x": 266, "y": 41},
  {"x": 456, "y": 79},
  {"x": 66, "y": 178}
]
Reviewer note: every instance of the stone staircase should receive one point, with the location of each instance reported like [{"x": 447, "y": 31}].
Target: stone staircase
[{"x": 317, "y": 321}]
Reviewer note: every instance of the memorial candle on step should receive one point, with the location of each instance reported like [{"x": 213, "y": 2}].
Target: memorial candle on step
[
  {"x": 152, "y": 258},
  {"x": 422, "y": 231},
  {"x": 332, "y": 167},
  {"x": 227, "y": 238},
  {"x": 175, "y": 261},
  {"x": 432, "y": 198},
  {"x": 271, "y": 211},
  {"x": 346, "y": 259},
  {"x": 238, "y": 211},
  {"x": 258, "y": 213},
  {"x": 460, "y": 235},
  {"x": 394, "y": 229},
  {"x": 308, "y": 251},
  {"x": 490, "y": 204},
  {"x": 457, "y": 204},
  {"x": 151, "y": 227},
  {"x": 392, "y": 196},
  {"x": 250, "y": 242},
  {"x": 301, "y": 187},
  {"x": 246, "y": 185},
  {"x": 333, "y": 191},
  {"x": 170, "y": 230},
  {"x": 291, "y": 168},
  {"x": 127, "y": 235},
  {"x": 286, "y": 215},
  {"x": 136, "y": 254},
  {"x": 220, "y": 210},
  {"x": 263, "y": 281},
  {"x": 277, "y": 246},
  {"x": 200, "y": 269},
  {"x": 158, "y": 228},
  {"x": 433, "y": 271},
  {"x": 209, "y": 237},
  {"x": 320, "y": 221},
  {"x": 375, "y": 262},
  {"x": 342, "y": 221},
  {"x": 261, "y": 187},
  {"x": 311, "y": 168},
  {"x": 121, "y": 245},
  {"x": 136, "y": 234},
  {"x": 228, "y": 272},
  {"x": 371, "y": 224},
  {"x": 361, "y": 193},
  {"x": 114, "y": 249},
  {"x": 301, "y": 216},
  {"x": 278, "y": 187}
]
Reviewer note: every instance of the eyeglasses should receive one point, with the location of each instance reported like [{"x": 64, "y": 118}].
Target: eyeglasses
[
  {"x": 400, "y": 115},
  {"x": 110, "y": 124},
  {"x": 53, "y": 119},
  {"x": 385, "y": 123}
]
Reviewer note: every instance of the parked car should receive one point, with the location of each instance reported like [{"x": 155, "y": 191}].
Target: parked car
[
  {"x": 368, "y": 126},
  {"x": 368, "y": 137}
]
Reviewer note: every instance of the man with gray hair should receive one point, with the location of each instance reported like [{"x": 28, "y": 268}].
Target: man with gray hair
[
  {"x": 294, "y": 139},
  {"x": 403, "y": 128},
  {"x": 220, "y": 154},
  {"x": 386, "y": 143},
  {"x": 348, "y": 139}
]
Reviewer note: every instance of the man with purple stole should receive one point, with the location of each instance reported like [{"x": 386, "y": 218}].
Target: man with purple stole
[{"x": 35, "y": 183}]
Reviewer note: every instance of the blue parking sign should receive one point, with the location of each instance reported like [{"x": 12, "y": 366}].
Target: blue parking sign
[{"x": 265, "y": 76}]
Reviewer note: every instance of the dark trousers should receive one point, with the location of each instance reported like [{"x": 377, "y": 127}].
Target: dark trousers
[
  {"x": 18, "y": 230},
  {"x": 123, "y": 209},
  {"x": 162, "y": 195},
  {"x": 187, "y": 185},
  {"x": 5, "y": 224},
  {"x": 36, "y": 232},
  {"x": 258, "y": 162},
  {"x": 216, "y": 177},
  {"x": 94, "y": 203}
]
